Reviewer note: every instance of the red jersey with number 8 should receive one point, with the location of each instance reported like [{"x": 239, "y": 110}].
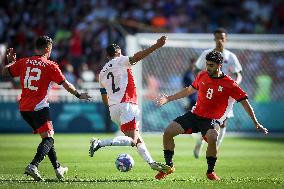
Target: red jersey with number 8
[
  {"x": 36, "y": 74},
  {"x": 216, "y": 96}
]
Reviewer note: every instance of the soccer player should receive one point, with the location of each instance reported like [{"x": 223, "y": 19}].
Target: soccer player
[
  {"x": 231, "y": 67},
  {"x": 37, "y": 74},
  {"x": 214, "y": 91},
  {"x": 119, "y": 93}
]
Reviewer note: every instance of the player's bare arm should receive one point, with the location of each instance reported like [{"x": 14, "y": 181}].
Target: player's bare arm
[
  {"x": 11, "y": 58},
  {"x": 245, "y": 103},
  {"x": 71, "y": 89},
  {"x": 181, "y": 94},
  {"x": 105, "y": 99},
  {"x": 142, "y": 54}
]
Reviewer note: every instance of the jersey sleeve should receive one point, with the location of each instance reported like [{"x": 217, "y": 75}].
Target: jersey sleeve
[
  {"x": 56, "y": 74},
  {"x": 201, "y": 61},
  {"x": 16, "y": 68},
  {"x": 124, "y": 61},
  {"x": 195, "y": 83},
  {"x": 237, "y": 67},
  {"x": 237, "y": 93}
]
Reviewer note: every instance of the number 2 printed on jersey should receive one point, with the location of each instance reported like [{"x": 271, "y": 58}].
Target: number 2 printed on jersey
[{"x": 114, "y": 90}]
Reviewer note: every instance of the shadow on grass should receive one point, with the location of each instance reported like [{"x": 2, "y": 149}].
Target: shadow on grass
[
  {"x": 118, "y": 180},
  {"x": 103, "y": 180},
  {"x": 107, "y": 180}
]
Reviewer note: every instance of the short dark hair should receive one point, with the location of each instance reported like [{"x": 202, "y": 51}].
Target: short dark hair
[
  {"x": 221, "y": 30},
  {"x": 215, "y": 56},
  {"x": 111, "y": 49},
  {"x": 43, "y": 42}
]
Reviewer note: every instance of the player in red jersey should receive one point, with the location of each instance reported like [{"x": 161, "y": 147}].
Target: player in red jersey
[
  {"x": 37, "y": 74},
  {"x": 215, "y": 94}
]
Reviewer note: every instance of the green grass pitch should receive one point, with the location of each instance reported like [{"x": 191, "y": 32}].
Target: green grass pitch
[{"x": 242, "y": 163}]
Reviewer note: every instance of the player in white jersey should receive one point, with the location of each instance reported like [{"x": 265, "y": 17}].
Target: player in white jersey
[
  {"x": 231, "y": 66},
  {"x": 119, "y": 93}
]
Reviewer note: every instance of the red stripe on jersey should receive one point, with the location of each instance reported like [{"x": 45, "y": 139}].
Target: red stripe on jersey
[
  {"x": 130, "y": 95},
  {"x": 131, "y": 125}
]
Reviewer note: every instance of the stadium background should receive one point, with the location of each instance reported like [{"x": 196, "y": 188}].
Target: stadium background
[{"x": 82, "y": 29}]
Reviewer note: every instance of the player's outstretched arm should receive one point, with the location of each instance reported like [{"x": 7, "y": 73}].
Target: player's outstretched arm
[
  {"x": 11, "y": 59},
  {"x": 71, "y": 89},
  {"x": 181, "y": 94},
  {"x": 245, "y": 103},
  {"x": 142, "y": 54}
]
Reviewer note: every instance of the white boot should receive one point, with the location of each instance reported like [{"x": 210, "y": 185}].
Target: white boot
[{"x": 60, "y": 171}]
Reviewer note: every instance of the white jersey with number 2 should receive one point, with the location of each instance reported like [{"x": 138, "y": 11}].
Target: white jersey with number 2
[{"x": 117, "y": 78}]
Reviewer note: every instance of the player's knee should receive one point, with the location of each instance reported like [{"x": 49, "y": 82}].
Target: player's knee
[
  {"x": 137, "y": 141},
  {"x": 166, "y": 133},
  {"x": 212, "y": 135}
]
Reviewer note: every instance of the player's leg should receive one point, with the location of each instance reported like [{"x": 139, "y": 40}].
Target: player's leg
[
  {"x": 181, "y": 125},
  {"x": 41, "y": 123},
  {"x": 211, "y": 153},
  {"x": 32, "y": 168},
  {"x": 170, "y": 132},
  {"x": 96, "y": 144},
  {"x": 46, "y": 131},
  {"x": 222, "y": 133},
  {"x": 143, "y": 150},
  {"x": 198, "y": 146},
  {"x": 59, "y": 170},
  {"x": 117, "y": 113}
]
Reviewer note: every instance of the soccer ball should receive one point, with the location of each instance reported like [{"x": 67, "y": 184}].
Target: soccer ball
[{"x": 124, "y": 162}]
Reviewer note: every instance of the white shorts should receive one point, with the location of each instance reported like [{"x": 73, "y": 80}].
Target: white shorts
[
  {"x": 127, "y": 115},
  {"x": 230, "y": 114}
]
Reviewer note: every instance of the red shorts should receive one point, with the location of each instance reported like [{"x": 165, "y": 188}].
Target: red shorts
[
  {"x": 132, "y": 125},
  {"x": 39, "y": 120}
]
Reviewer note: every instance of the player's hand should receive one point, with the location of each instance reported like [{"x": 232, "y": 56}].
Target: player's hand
[
  {"x": 260, "y": 128},
  {"x": 161, "y": 41},
  {"x": 163, "y": 99},
  {"x": 11, "y": 55},
  {"x": 85, "y": 96}
]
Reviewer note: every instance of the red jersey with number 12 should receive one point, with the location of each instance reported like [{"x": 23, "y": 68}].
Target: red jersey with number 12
[
  {"x": 216, "y": 96},
  {"x": 36, "y": 74}
]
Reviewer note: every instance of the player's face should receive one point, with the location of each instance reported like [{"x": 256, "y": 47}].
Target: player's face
[
  {"x": 220, "y": 39},
  {"x": 118, "y": 52},
  {"x": 212, "y": 68}
]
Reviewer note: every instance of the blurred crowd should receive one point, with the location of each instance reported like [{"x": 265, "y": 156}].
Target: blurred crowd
[{"x": 81, "y": 29}]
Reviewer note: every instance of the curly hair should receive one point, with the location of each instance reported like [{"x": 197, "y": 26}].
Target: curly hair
[{"x": 215, "y": 56}]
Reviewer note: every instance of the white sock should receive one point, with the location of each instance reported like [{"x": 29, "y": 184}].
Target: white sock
[
  {"x": 200, "y": 142},
  {"x": 144, "y": 153},
  {"x": 221, "y": 136},
  {"x": 117, "y": 141}
]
